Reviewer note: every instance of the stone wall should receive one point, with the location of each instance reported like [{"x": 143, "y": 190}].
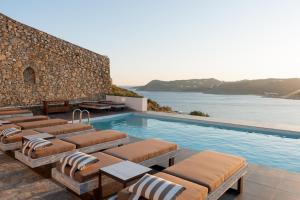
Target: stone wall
[{"x": 35, "y": 66}]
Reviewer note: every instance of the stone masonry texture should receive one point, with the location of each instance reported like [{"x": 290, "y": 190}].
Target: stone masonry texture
[{"x": 35, "y": 66}]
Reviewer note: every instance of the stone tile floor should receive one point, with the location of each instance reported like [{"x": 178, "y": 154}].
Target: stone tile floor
[{"x": 17, "y": 181}]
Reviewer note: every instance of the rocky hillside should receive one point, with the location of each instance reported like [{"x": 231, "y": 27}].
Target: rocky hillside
[
  {"x": 264, "y": 87},
  {"x": 117, "y": 91}
]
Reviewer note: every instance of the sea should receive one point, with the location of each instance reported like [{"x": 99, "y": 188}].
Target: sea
[{"x": 240, "y": 107}]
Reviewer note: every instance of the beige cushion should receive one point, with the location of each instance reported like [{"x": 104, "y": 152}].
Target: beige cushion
[
  {"x": 207, "y": 168},
  {"x": 95, "y": 137},
  {"x": 43, "y": 123},
  {"x": 26, "y": 119},
  {"x": 64, "y": 128},
  {"x": 142, "y": 150}
]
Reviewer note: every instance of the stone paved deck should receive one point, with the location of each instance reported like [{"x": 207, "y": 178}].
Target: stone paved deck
[{"x": 17, "y": 181}]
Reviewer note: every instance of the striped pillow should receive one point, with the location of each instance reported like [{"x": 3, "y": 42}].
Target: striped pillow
[
  {"x": 34, "y": 144},
  {"x": 77, "y": 161},
  {"x": 154, "y": 188},
  {"x": 9, "y": 131}
]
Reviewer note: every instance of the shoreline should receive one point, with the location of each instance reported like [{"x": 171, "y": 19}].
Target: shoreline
[{"x": 264, "y": 96}]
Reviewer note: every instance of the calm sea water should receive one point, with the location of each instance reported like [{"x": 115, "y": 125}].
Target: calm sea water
[{"x": 242, "y": 107}]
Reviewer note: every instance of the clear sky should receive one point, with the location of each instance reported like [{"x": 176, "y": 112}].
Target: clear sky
[{"x": 175, "y": 39}]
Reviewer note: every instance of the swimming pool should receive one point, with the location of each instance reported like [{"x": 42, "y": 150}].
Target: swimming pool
[{"x": 273, "y": 150}]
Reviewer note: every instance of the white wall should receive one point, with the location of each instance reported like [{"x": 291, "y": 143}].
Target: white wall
[{"x": 138, "y": 104}]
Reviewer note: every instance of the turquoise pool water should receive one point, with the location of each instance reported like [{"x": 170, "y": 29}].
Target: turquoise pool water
[{"x": 260, "y": 148}]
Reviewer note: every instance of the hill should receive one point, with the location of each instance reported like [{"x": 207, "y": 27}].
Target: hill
[
  {"x": 200, "y": 85},
  {"x": 264, "y": 87}
]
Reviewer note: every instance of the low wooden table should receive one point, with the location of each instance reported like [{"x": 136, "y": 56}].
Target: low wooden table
[
  {"x": 39, "y": 135},
  {"x": 54, "y": 106},
  {"x": 123, "y": 172}
]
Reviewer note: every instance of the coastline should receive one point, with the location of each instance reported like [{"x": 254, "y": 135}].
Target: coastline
[{"x": 264, "y": 96}]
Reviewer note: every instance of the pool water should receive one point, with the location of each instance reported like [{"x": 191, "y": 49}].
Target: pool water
[{"x": 259, "y": 148}]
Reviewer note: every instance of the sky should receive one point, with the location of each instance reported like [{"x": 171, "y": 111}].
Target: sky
[{"x": 175, "y": 39}]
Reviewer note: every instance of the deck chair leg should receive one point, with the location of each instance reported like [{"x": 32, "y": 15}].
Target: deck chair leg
[
  {"x": 171, "y": 161},
  {"x": 240, "y": 185},
  {"x": 97, "y": 194}
]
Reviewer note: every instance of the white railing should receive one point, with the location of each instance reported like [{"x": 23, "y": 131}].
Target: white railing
[{"x": 80, "y": 115}]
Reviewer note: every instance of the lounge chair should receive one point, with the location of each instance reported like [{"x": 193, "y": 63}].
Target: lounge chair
[
  {"x": 104, "y": 104},
  {"x": 7, "y": 113},
  {"x": 87, "y": 180},
  {"x": 5, "y": 126},
  {"x": 14, "y": 142},
  {"x": 34, "y": 124},
  {"x": 41, "y": 124},
  {"x": 95, "y": 106},
  {"x": 108, "y": 102},
  {"x": 66, "y": 130},
  {"x": 147, "y": 152},
  {"x": 206, "y": 175},
  {"x": 114, "y": 105},
  {"x": 14, "y": 120},
  {"x": 88, "y": 143}
]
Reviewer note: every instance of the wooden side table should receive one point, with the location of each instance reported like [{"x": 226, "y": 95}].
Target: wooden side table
[
  {"x": 55, "y": 108},
  {"x": 123, "y": 172}
]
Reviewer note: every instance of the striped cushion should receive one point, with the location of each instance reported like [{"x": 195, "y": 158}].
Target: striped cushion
[
  {"x": 77, "y": 161},
  {"x": 34, "y": 144},
  {"x": 9, "y": 132},
  {"x": 154, "y": 188}
]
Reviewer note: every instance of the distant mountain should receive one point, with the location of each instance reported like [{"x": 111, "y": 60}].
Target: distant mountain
[
  {"x": 198, "y": 85},
  {"x": 288, "y": 88}
]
